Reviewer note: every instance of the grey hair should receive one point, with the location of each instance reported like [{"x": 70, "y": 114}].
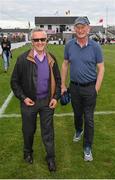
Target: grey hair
[{"x": 36, "y": 29}]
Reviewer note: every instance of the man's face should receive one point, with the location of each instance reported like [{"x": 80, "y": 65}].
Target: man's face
[
  {"x": 82, "y": 30},
  {"x": 39, "y": 41},
  {"x": 5, "y": 39}
]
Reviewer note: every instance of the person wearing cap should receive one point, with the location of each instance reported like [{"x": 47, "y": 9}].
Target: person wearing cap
[
  {"x": 6, "y": 46},
  {"x": 36, "y": 82},
  {"x": 84, "y": 56}
]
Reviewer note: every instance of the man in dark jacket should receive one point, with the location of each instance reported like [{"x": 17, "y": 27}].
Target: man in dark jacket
[
  {"x": 6, "y": 46},
  {"x": 36, "y": 82}
]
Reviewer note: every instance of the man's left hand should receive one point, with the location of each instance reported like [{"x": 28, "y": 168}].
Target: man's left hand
[{"x": 53, "y": 103}]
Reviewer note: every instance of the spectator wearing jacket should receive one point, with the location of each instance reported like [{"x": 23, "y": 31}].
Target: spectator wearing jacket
[
  {"x": 36, "y": 83},
  {"x": 6, "y": 46}
]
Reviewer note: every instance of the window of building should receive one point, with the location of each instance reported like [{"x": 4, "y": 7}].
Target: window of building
[
  {"x": 41, "y": 26},
  {"x": 49, "y": 27}
]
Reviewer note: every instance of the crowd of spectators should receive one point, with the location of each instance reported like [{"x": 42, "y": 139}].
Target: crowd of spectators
[{"x": 14, "y": 37}]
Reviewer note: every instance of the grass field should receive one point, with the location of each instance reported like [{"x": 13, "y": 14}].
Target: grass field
[{"x": 69, "y": 155}]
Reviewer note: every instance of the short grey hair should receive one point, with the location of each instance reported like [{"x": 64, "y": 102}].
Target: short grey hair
[{"x": 36, "y": 29}]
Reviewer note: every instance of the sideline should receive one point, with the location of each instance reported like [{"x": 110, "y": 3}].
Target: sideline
[
  {"x": 57, "y": 115},
  {"x": 6, "y": 102}
]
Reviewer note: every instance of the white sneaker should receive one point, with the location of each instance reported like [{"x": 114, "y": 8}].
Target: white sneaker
[
  {"x": 77, "y": 136},
  {"x": 88, "y": 154}
]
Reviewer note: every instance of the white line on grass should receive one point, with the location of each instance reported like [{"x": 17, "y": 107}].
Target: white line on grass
[
  {"x": 57, "y": 115},
  {"x": 6, "y": 102}
]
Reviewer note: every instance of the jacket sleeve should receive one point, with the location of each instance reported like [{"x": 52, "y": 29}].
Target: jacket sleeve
[
  {"x": 9, "y": 45},
  {"x": 57, "y": 79},
  {"x": 16, "y": 80},
  {"x": 2, "y": 45}
]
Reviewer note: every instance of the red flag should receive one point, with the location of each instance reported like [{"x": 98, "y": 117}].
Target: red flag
[{"x": 101, "y": 20}]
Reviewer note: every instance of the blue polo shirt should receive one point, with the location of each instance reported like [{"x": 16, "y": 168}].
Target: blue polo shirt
[{"x": 83, "y": 60}]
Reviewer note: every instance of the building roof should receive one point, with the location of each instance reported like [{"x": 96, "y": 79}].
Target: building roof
[
  {"x": 14, "y": 30},
  {"x": 59, "y": 20}
]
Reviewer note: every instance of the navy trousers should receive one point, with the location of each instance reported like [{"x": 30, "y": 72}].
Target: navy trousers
[
  {"x": 83, "y": 99},
  {"x": 29, "y": 117}
]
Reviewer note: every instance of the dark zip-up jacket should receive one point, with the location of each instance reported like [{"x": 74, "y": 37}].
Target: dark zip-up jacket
[
  {"x": 24, "y": 77},
  {"x": 6, "y": 45}
]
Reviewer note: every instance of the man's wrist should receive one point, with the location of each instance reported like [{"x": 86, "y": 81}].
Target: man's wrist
[{"x": 63, "y": 85}]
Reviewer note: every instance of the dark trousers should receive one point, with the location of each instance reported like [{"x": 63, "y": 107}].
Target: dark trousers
[
  {"x": 29, "y": 117},
  {"x": 83, "y": 99}
]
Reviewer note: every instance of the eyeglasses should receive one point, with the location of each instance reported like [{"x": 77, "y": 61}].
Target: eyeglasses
[{"x": 39, "y": 39}]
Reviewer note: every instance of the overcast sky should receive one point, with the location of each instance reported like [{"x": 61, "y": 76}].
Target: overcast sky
[{"x": 17, "y": 13}]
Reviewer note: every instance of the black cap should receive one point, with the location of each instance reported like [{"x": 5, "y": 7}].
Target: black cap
[
  {"x": 65, "y": 98},
  {"x": 81, "y": 20}
]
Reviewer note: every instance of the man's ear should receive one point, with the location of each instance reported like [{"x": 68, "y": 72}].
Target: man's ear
[
  {"x": 89, "y": 29},
  {"x": 32, "y": 43},
  {"x": 74, "y": 28},
  {"x": 47, "y": 40}
]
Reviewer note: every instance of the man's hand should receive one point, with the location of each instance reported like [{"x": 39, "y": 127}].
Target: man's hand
[
  {"x": 63, "y": 89},
  {"x": 53, "y": 103},
  {"x": 29, "y": 102},
  {"x": 97, "y": 89}
]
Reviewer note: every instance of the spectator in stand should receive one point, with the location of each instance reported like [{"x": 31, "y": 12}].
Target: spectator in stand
[{"x": 102, "y": 41}]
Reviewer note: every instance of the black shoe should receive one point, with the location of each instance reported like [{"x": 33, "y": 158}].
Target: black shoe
[
  {"x": 28, "y": 158},
  {"x": 51, "y": 165}
]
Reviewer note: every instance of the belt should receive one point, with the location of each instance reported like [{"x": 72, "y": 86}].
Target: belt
[{"x": 84, "y": 84}]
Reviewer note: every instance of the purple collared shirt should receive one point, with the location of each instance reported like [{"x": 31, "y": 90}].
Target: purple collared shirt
[{"x": 42, "y": 75}]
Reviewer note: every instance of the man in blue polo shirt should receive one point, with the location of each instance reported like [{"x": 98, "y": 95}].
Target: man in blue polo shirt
[{"x": 86, "y": 74}]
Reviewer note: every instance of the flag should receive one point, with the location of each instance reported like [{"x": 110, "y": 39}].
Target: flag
[
  {"x": 101, "y": 20},
  {"x": 56, "y": 13},
  {"x": 67, "y": 12}
]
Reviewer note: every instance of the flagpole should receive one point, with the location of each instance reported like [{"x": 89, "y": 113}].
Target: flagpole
[
  {"x": 106, "y": 28},
  {"x": 106, "y": 16},
  {"x": 29, "y": 30}
]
